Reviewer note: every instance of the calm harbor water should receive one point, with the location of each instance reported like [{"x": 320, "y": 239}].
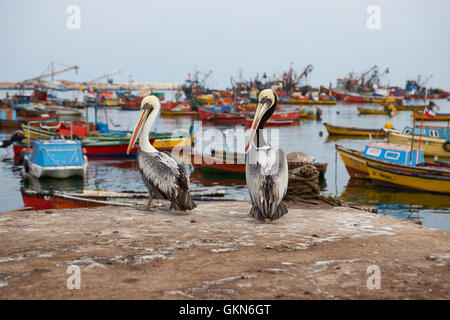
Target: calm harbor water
[{"x": 432, "y": 209}]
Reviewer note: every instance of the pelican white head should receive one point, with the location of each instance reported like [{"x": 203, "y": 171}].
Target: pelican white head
[
  {"x": 267, "y": 103},
  {"x": 150, "y": 107}
]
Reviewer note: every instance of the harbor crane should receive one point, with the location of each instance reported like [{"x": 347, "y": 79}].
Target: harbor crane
[
  {"x": 53, "y": 72},
  {"x": 104, "y": 76}
]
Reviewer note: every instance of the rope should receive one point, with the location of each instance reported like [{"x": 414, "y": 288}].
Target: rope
[{"x": 304, "y": 184}]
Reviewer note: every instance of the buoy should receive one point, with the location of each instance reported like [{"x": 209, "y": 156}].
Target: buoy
[{"x": 388, "y": 125}]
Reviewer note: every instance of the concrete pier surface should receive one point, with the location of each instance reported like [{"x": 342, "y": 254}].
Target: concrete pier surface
[{"x": 218, "y": 252}]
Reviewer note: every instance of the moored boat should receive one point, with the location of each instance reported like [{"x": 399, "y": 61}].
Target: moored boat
[
  {"x": 389, "y": 156},
  {"x": 437, "y": 116},
  {"x": 353, "y": 131},
  {"x": 431, "y": 146},
  {"x": 56, "y": 158},
  {"x": 405, "y": 179}
]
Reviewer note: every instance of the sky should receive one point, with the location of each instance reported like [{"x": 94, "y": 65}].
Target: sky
[{"x": 164, "y": 40}]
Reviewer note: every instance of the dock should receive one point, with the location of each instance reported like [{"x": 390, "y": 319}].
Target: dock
[
  {"x": 218, "y": 252},
  {"x": 98, "y": 86}
]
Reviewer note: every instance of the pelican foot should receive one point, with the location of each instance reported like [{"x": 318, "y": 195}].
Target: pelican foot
[{"x": 164, "y": 208}]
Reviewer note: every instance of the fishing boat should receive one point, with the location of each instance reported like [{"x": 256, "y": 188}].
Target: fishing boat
[
  {"x": 400, "y": 107},
  {"x": 389, "y": 156},
  {"x": 431, "y": 146},
  {"x": 437, "y": 116},
  {"x": 9, "y": 118},
  {"x": 56, "y": 158},
  {"x": 327, "y": 101},
  {"x": 363, "y": 110},
  {"x": 220, "y": 117},
  {"x": 44, "y": 200},
  {"x": 272, "y": 122},
  {"x": 353, "y": 131},
  {"x": 222, "y": 163},
  {"x": 405, "y": 179},
  {"x": 179, "y": 110}
]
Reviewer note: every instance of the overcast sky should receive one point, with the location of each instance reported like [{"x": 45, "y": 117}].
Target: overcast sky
[{"x": 163, "y": 40}]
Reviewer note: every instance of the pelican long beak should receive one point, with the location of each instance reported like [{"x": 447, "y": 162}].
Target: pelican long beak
[
  {"x": 260, "y": 110},
  {"x": 142, "y": 117}
]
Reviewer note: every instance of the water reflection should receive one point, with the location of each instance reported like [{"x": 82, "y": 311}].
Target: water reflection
[{"x": 401, "y": 204}]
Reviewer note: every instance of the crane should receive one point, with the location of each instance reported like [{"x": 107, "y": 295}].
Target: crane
[
  {"x": 104, "y": 76},
  {"x": 53, "y": 72},
  {"x": 308, "y": 69}
]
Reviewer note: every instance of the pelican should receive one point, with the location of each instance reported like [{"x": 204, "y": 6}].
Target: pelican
[
  {"x": 165, "y": 177},
  {"x": 266, "y": 169}
]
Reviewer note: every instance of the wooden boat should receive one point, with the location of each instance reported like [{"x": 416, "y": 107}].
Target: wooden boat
[
  {"x": 44, "y": 200},
  {"x": 8, "y": 119},
  {"x": 363, "y": 110},
  {"x": 220, "y": 117},
  {"x": 221, "y": 163},
  {"x": 271, "y": 123},
  {"x": 295, "y": 100},
  {"x": 405, "y": 179},
  {"x": 431, "y": 146},
  {"x": 437, "y": 117},
  {"x": 353, "y": 131},
  {"x": 400, "y": 107},
  {"x": 179, "y": 110},
  {"x": 356, "y": 161}
]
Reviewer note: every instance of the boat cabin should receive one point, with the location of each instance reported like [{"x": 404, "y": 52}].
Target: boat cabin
[
  {"x": 57, "y": 153},
  {"x": 430, "y": 132},
  {"x": 393, "y": 153}
]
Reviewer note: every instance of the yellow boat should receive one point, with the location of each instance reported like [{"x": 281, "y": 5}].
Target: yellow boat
[
  {"x": 376, "y": 111},
  {"x": 206, "y": 99},
  {"x": 380, "y": 100},
  {"x": 408, "y": 179},
  {"x": 437, "y": 117},
  {"x": 431, "y": 146},
  {"x": 356, "y": 164},
  {"x": 352, "y": 131},
  {"x": 294, "y": 100},
  {"x": 405, "y": 108},
  {"x": 169, "y": 144}
]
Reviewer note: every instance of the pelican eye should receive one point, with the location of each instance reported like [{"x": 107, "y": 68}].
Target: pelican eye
[{"x": 148, "y": 107}]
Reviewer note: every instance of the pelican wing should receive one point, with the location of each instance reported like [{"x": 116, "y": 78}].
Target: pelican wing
[
  {"x": 166, "y": 177},
  {"x": 267, "y": 180},
  {"x": 161, "y": 171}
]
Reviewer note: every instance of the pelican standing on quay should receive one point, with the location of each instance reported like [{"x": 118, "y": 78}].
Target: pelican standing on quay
[
  {"x": 165, "y": 177},
  {"x": 266, "y": 168}
]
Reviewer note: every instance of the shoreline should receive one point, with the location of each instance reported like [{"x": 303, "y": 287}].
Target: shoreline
[{"x": 218, "y": 252}]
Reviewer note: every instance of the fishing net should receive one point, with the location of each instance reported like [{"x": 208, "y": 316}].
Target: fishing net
[{"x": 304, "y": 180}]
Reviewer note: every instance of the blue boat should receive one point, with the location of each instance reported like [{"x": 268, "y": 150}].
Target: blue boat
[
  {"x": 430, "y": 132},
  {"x": 393, "y": 153},
  {"x": 56, "y": 158}
]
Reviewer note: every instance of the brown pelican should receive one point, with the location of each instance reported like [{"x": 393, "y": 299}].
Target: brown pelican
[
  {"x": 164, "y": 177},
  {"x": 266, "y": 169}
]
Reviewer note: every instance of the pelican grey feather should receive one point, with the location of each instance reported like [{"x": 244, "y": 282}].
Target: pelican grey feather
[
  {"x": 164, "y": 176},
  {"x": 266, "y": 168}
]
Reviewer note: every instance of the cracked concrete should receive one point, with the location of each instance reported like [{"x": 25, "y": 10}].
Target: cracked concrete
[{"x": 218, "y": 252}]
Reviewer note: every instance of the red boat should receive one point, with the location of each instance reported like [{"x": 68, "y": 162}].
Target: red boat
[
  {"x": 221, "y": 164},
  {"x": 220, "y": 117}
]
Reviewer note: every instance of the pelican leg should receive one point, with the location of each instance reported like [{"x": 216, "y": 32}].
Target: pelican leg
[{"x": 149, "y": 203}]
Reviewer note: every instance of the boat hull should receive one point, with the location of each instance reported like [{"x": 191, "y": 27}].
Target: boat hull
[
  {"x": 352, "y": 131},
  {"x": 409, "y": 180},
  {"x": 57, "y": 172},
  {"x": 357, "y": 164}
]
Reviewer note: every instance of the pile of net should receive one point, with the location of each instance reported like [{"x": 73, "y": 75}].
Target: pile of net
[{"x": 304, "y": 180}]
